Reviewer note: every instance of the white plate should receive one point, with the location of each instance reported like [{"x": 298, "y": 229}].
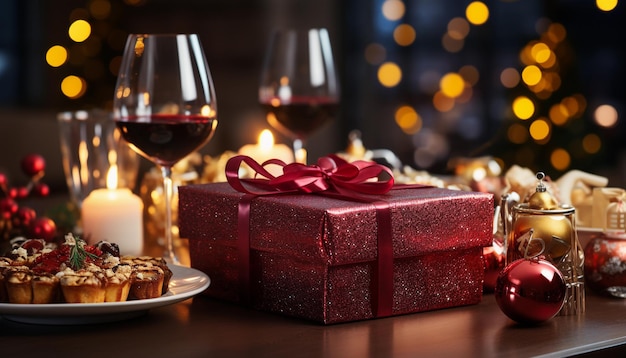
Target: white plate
[{"x": 185, "y": 283}]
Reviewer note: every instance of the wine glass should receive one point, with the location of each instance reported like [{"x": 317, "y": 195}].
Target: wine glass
[
  {"x": 299, "y": 89},
  {"x": 164, "y": 104}
]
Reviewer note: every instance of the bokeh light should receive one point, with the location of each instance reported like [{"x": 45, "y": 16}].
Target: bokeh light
[
  {"x": 477, "y": 13},
  {"x": 408, "y": 119},
  {"x": 389, "y": 74},
  {"x": 592, "y": 143},
  {"x": 56, "y": 56},
  {"x": 539, "y": 129},
  {"x": 452, "y": 85},
  {"x": 442, "y": 103},
  {"x": 404, "y": 35},
  {"x": 393, "y": 9},
  {"x": 606, "y": 5},
  {"x": 79, "y": 30},
  {"x": 560, "y": 159},
  {"x": 73, "y": 86},
  {"x": 523, "y": 107},
  {"x": 451, "y": 44},
  {"x": 531, "y": 75},
  {"x": 605, "y": 116},
  {"x": 509, "y": 77},
  {"x": 458, "y": 28}
]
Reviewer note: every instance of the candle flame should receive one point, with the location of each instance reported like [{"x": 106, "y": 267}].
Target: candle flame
[
  {"x": 112, "y": 177},
  {"x": 266, "y": 139}
]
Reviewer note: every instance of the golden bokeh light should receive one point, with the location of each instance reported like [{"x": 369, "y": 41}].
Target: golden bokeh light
[
  {"x": 404, "y": 34},
  {"x": 477, "y": 13},
  {"x": 393, "y": 9},
  {"x": 56, "y": 56},
  {"x": 539, "y": 129},
  {"x": 458, "y": 28},
  {"x": 550, "y": 62},
  {"x": 389, "y": 74},
  {"x": 531, "y": 75},
  {"x": 523, "y": 107},
  {"x": 592, "y": 143},
  {"x": 605, "y": 116},
  {"x": 540, "y": 52},
  {"x": 606, "y": 5},
  {"x": 79, "y": 30},
  {"x": 560, "y": 159},
  {"x": 452, "y": 85},
  {"x": 73, "y": 86},
  {"x": 408, "y": 119}
]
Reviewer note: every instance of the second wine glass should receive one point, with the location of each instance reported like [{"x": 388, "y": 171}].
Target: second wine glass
[
  {"x": 299, "y": 89},
  {"x": 164, "y": 105}
]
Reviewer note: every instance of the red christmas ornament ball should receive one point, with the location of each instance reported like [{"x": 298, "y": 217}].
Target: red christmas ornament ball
[
  {"x": 33, "y": 164},
  {"x": 43, "y": 228},
  {"x": 530, "y": 291}
]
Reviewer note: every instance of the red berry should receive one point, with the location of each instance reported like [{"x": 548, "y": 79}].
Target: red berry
[
  {"x": 43, "y": 228},
  {"x": 41, "y": 189},
  {"x": 3, "y": 179},
  {"x": 33, "y": 164},
  {"x": 21, "y": 192},
  {"x": 26, "y": 215},
  {"x": 12, "y": 193},
  {"x": 8, "y": 205}
]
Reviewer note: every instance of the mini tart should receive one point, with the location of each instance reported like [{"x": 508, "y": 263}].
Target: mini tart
[
  {"x": 46, "y": 288},
  {"x": 17, "y": 280},
  {"x": 117, "y": 285},
  {"x": 152, "y": 261},
  {"x": 146, "y": 282},
  {"x": 82, "y": 286}
]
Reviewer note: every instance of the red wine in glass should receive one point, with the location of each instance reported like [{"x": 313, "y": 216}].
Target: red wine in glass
[
  {"x": 299, "y": 87},
  {"x": 164, "y": 105},
  {"x": 165, "y": 139},
  {"x": 302, "y": 116}
]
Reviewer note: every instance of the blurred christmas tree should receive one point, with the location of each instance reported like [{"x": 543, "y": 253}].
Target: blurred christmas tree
[{"x": 548, "y": 127}]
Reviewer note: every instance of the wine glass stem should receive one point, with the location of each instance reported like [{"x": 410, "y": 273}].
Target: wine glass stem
[
  {"x": 170, "y": 254},
  {"x": 299, "y": 151}
]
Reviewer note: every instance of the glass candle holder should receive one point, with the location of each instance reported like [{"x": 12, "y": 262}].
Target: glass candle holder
[{"x": 90, "y": 146}]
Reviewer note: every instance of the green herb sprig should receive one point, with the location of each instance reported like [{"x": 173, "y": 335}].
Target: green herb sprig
[{"x": 78, "y": 254}]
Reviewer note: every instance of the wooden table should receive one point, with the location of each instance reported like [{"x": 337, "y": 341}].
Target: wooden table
[{"x": 202, "y": 327}]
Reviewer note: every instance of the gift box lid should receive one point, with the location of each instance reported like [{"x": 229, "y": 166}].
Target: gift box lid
[{"x": 333, "y": 231}]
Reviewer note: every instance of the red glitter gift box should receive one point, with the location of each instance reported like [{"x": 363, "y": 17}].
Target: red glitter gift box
[{"x": 317, "y": 257}]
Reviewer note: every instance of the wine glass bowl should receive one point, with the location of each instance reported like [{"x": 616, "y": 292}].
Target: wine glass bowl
[
  {"x": 164, "y": 104},
  {"x": 299, "y": 90}
]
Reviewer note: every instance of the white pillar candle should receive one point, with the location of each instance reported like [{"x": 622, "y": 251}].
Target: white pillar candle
[
  {"x": 114, "y": 215},
  {"x": 265, "y": 149}
]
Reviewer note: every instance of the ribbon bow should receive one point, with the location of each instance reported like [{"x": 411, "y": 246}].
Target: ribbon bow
[{"x": 330, "y": 174}]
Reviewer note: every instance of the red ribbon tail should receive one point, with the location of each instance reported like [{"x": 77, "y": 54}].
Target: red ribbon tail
[
  {"x": 243, "y": 248},
  {"x": 383, "y": 279}
]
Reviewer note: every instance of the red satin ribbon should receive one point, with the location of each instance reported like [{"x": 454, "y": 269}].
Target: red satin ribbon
[{"x": 332, "y": 176}]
